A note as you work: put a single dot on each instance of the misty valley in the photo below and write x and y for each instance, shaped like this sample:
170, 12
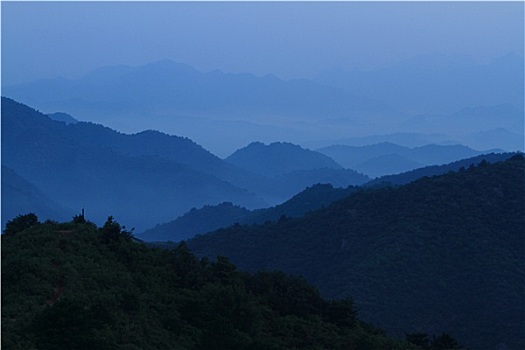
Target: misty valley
161, 207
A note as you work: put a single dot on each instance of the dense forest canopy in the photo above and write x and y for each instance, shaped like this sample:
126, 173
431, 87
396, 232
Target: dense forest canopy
75, 286
433, 253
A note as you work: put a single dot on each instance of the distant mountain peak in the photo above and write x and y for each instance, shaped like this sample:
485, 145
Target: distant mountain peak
170, 64
279, 158
62, 117
256, 144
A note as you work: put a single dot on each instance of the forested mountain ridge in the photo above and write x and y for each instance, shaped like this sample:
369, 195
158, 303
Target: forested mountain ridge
75, 286
433, 170
434, 253
89, 166
211, 218
86, 165
202, 220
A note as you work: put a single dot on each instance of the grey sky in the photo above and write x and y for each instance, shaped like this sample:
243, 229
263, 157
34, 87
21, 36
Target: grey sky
288, 39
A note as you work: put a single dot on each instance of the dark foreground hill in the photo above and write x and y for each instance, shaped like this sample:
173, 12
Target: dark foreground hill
75, 286
439, 253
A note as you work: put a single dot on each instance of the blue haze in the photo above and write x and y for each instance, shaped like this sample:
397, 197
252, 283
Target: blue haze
373, 68
287, 39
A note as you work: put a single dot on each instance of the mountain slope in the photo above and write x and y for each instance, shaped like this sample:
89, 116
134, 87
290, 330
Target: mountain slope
291, 168
80, 166
211, 218
409, 176
182, 150
279, 158
294, 182
439, 253
196, 221
21, 197
181, 100
388, 158
387, 164
62, 117
167, 85
72, 285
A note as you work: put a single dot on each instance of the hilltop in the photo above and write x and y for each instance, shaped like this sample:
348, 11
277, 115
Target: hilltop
279, 158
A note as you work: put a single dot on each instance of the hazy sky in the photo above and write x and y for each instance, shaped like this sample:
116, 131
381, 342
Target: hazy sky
288, 39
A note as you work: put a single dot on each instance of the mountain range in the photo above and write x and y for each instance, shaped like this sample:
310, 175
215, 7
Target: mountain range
172, 174
85, 165
436, 83
427, 95
442, 252
189, 102
213, 217
210, 218
80, 166
169, 85
388, 158
415, 212
434, 170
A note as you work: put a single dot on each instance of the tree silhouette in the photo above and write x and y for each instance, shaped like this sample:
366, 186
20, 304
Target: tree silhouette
21, 223
113, 232
420, 339
445, 342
